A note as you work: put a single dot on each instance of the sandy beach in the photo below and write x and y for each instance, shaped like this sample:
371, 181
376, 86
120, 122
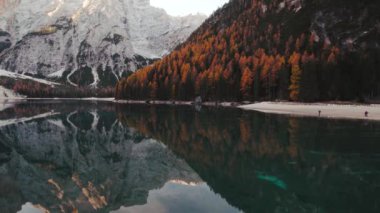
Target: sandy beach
344, 111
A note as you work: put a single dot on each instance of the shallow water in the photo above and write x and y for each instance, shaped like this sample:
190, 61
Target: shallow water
105, 157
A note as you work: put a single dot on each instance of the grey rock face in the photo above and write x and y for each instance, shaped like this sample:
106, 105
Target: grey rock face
5, 40
58, 39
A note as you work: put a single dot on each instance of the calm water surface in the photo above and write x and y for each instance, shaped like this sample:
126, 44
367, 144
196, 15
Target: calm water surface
102, 157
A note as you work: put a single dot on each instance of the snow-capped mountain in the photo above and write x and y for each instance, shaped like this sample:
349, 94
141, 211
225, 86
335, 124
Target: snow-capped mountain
87, 42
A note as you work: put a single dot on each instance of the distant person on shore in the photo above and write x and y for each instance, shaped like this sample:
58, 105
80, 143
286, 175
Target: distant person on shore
319, 112
366, 114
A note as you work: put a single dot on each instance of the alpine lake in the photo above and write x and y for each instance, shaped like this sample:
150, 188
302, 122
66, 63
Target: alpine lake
93, 156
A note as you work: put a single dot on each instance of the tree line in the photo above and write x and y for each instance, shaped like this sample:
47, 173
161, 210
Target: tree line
33, 89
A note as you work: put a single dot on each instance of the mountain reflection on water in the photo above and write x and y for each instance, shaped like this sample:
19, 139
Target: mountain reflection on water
104, 157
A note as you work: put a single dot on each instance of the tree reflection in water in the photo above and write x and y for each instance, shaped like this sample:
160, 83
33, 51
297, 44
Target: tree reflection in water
102, 156
270, 163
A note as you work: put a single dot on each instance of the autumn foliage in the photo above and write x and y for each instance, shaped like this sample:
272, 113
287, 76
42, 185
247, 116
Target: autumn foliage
252, 50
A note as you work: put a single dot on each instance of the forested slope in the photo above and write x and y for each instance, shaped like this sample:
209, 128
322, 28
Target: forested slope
301, 50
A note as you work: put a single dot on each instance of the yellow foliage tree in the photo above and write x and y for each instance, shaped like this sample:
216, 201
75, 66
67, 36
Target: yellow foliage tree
295, 78
295, 82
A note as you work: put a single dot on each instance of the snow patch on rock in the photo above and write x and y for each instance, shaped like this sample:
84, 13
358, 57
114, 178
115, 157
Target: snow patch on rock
25, 77
9, 94
57, 74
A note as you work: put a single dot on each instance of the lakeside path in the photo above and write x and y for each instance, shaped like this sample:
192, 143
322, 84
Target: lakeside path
327, 110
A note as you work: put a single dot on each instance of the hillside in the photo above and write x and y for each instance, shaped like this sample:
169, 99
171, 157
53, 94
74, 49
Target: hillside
302, 50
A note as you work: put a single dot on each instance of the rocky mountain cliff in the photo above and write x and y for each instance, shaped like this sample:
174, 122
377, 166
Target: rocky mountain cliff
87, 42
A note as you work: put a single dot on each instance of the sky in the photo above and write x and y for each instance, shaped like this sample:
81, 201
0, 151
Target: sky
186, 7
